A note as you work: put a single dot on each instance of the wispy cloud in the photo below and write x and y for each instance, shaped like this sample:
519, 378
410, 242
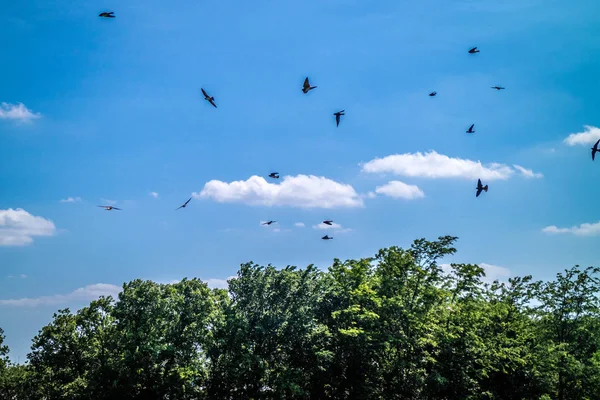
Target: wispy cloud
527, 173
400, 190
492, 272
589, 135
17, 112
302, 191
154, 194
299, 224
108, 202
22, 276
18, 227
581, 230
334, 226
437, 166
84, 294
71, 200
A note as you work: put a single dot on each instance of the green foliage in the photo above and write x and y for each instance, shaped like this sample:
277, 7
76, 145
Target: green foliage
395, 326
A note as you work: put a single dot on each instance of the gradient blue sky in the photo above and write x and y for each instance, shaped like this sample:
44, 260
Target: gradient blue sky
112, 110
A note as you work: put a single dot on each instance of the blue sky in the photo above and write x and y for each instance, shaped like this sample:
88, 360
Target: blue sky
104, 111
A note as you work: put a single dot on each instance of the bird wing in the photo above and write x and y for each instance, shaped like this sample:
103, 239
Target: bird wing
188, 201
115, 208
593, 154
204, 92
306, 83
211, 101
478, 192
479, 183
178, 208
596, 144
337, 119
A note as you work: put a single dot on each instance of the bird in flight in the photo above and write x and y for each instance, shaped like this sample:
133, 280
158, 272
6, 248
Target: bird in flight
432, 94
328, 222
268, 222
274, 175
595, 149
307, 86
338, 116
107, 14
498, 87
109, 208
326, 237
474, 50
471, 129
211, 100
184, 205
480, 187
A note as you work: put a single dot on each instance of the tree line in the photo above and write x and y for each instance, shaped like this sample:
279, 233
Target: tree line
394, 326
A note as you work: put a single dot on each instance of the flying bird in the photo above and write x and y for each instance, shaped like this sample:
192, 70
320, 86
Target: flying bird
474, 50
480, 187
110, 14
268, 222
307, 86
498, 87
432, 94
109, 208
184, 205
211, 100
471, 129
328, 222
274, 175
326, 237
338, 116
595, 149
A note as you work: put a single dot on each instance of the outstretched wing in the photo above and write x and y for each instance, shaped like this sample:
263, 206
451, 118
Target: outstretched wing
306, 83
204, 92
186, 203
211, 101
115, 208
478, 191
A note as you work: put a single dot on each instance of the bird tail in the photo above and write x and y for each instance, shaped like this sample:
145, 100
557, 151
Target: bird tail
485, 188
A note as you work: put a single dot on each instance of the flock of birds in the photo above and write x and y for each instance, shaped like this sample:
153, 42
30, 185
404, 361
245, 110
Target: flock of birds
307, 87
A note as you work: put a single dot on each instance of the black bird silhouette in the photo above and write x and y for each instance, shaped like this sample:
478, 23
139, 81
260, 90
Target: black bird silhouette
326, 237
328, 222
306, 87
337, 117
432, 93
274, 175
595, 149
109, 208
471, 129
211, 100
498, 87
184, 205
110, 14
268, 222
480, 187
474, 50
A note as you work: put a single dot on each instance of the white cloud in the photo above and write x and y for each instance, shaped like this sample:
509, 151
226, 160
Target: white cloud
84, 294
434, 165
492, 272
18, 227
334, 226
154, 194
17, 112
527, 173
299, 224
581, 230
71, 200
303, 191
400, 190
589, 135
23, 276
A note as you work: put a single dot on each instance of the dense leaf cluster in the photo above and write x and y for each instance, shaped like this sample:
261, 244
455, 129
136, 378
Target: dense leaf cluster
395, 326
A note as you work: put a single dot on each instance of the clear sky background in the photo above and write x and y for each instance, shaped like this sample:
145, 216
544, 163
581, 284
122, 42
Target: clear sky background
109, 111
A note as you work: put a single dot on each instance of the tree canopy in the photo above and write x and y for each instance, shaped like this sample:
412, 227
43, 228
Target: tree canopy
394, 326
